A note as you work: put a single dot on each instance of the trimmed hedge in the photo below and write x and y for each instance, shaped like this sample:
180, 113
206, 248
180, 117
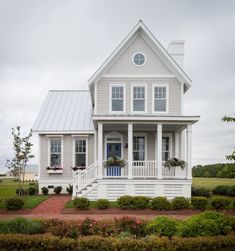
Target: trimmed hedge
102, 204
201, 191
81, 203
14, 203
220, 203
199, 202
160, 203
224, 190
133, 202
51, 243
179, 203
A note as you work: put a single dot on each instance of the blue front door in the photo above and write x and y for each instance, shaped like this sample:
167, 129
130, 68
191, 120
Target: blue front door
114, 149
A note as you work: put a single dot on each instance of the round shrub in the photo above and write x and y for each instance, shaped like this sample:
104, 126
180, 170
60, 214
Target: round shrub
14, 203
32, 190
125, 202
81, 203
224, 190
201, 191
21, 191
199, 202
196, 226
57, 190
140, 202
220, 203
102, 204
162, 226
160, 203
45, 190
179, 203
69, 189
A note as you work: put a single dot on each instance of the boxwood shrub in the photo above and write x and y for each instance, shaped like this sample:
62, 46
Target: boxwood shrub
179, 203
199, 202
201, 191
81, 203
162, 226
140, 202
14, 203
102, 204
224, 190
45, 190
220, 203
57, 190
125, 202
160, 203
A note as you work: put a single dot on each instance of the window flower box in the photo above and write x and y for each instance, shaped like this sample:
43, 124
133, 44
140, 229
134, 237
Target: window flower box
114, 165
54, 169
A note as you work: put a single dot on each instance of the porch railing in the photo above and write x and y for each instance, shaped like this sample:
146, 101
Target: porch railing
144, 169
174, 172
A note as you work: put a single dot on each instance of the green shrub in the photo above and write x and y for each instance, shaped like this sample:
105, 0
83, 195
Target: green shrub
21, 226
57, 190
14, 203
201, 191
199, 202
32, 184
32, 190
45, 190
160, 203
81, 203
224, 190
21, 191
220, 203
162, 226
125, 202
140, 202
179, 203
69, 189
102, 204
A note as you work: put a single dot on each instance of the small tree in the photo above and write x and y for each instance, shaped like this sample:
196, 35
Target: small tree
229, 119
22, 148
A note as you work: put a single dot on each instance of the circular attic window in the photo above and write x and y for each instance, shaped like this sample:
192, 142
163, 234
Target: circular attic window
139, 59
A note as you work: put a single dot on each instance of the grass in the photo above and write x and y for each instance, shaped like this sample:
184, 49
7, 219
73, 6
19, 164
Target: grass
8, 189
212, 182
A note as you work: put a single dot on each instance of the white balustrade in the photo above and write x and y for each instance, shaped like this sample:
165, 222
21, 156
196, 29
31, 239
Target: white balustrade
174, 172
144, 169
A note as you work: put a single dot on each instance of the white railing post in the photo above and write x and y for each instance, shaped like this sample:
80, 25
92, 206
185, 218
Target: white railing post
159, 151
100, 150
74, 185
177, 145
189, 151
130, 150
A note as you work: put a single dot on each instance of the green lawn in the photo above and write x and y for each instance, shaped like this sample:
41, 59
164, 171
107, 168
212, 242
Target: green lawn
8, 189
212, 182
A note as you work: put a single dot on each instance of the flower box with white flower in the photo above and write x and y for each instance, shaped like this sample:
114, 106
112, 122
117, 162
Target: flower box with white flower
54, 169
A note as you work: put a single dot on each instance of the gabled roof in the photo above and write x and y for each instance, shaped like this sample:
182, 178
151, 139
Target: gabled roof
65, 111
156, 46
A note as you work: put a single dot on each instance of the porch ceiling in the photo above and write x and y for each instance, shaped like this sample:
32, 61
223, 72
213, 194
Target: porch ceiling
144, 127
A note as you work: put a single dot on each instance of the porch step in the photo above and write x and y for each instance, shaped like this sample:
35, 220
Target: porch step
88, 189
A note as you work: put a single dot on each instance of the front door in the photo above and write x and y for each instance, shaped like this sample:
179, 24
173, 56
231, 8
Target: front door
114, 149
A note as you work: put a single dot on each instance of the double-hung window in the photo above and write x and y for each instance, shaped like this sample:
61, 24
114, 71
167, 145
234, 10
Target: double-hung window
117, 98
166, 148
160, 98
55, 152
138, 148
80, 152
139, 97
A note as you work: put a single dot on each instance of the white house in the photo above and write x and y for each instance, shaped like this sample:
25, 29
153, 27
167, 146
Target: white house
133, 110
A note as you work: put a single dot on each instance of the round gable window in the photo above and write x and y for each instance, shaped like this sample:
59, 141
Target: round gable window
139, 59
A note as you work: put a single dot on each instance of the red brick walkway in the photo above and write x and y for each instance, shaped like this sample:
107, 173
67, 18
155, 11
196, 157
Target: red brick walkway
53, 205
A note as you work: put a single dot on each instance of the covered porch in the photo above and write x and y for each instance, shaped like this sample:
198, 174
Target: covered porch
145, 146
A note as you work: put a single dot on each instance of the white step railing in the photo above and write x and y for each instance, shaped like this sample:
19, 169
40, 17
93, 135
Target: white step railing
144, 168
81, 179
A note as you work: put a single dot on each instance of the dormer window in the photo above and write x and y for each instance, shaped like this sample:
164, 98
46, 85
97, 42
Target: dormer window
117, 98
139, 59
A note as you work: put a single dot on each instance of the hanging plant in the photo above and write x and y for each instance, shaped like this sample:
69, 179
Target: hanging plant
174, 162
115, 161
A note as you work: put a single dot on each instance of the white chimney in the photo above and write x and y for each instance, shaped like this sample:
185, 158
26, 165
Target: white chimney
176, 50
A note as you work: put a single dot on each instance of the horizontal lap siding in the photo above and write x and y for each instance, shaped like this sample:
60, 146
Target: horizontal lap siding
103, 95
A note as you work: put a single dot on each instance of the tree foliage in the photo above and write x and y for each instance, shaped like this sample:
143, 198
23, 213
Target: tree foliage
22, 148
220, 170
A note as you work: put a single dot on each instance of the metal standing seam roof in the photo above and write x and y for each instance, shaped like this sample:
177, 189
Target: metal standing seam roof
67, 110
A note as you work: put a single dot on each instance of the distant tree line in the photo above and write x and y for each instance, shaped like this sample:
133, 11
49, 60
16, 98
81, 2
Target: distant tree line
220, 170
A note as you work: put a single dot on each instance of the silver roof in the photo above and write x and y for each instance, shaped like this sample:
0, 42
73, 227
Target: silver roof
65, 111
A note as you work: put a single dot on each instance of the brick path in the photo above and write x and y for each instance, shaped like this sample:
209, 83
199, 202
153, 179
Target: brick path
53, 205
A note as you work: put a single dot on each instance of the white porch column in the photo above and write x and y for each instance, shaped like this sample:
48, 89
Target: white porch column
100, 150
189, 151
159, 151
177, 145
130, 149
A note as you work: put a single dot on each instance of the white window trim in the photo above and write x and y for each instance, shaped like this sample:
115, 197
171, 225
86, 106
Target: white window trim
139, 52
145, 98
170, 143
49, 137
74, 144
167, 98
138, 134
113, 134
110, 98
